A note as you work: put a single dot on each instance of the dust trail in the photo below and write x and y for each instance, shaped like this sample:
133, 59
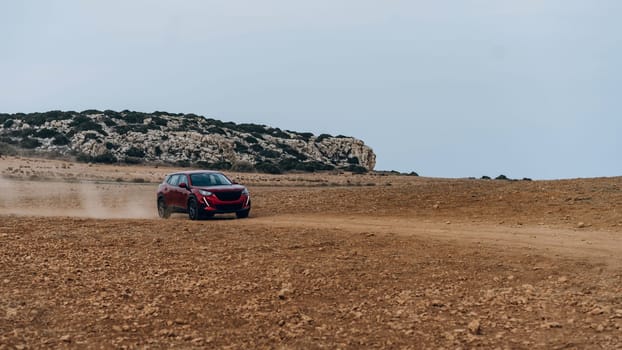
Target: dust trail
8, 194
90, 200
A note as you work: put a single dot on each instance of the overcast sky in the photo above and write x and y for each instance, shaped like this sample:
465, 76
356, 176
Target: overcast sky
525, 88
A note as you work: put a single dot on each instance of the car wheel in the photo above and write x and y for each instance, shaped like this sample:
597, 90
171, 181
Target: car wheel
163, 211
193, 209
242, 214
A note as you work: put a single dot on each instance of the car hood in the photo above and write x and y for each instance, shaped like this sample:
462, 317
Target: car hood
221, 188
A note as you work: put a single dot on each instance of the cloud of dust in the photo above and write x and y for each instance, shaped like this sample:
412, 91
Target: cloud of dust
113, 202
88, 200
7, 193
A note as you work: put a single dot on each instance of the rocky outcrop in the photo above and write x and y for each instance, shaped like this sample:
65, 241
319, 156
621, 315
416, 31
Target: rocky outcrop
184, 139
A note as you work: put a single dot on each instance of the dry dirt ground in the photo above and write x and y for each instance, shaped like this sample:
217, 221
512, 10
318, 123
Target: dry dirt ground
324, 261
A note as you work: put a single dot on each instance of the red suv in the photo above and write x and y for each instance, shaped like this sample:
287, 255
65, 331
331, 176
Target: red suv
202, 194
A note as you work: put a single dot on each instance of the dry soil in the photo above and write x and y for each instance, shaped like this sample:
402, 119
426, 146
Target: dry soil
324, 261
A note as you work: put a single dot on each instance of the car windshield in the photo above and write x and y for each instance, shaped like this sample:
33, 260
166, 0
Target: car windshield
209, 179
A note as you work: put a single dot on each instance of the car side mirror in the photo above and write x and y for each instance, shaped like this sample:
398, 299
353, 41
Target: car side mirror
234, 182
183, 185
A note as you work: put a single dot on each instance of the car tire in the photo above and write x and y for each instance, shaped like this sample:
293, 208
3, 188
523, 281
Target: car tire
194, 212
242, 214
163, 211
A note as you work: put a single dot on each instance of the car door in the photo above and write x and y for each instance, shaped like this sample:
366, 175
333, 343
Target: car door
171, 191
182, 193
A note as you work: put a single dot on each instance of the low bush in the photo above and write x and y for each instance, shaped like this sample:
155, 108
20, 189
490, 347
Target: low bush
353, 160
7, 150
112, 114
322, 137
243, 166
250, 139
267, 153
83, 123
159, 121
91, 111
240, 147
355, 169
60, 140
29, 143
135, 152
132, 117
132, 160
268, 168
109, 122
90, 136
106, 158
46, 133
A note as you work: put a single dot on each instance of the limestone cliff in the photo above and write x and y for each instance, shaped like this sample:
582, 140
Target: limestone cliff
184, 139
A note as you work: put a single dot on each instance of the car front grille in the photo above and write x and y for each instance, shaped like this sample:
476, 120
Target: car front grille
228, 207
228, 196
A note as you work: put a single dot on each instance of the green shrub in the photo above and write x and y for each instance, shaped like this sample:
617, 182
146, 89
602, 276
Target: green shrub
268, 168
183, 164
6, 139
29, 143
132, 117
112, 114
243, 166
41, 118
109, 122
132, 160
248, 128
22, 132
106, 158
84, 158
60, 140
83, 123
216, 130
268, 153
159, 121
8, 123
353, 160
250, 139
278, 133
305, 136
124, 129
355, 169
322, 137
91, 111
501, 177
289, 150
485, 177
90, 136
7, 150
46, 133
135, 152
240, 147
257, 147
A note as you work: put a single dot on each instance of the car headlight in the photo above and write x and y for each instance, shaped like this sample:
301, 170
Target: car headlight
245, 192
205, 193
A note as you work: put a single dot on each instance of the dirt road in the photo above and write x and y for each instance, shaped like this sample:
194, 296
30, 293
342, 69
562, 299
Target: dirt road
419, 263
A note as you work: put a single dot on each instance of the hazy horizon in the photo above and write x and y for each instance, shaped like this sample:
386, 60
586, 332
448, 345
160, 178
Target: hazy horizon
446, 89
